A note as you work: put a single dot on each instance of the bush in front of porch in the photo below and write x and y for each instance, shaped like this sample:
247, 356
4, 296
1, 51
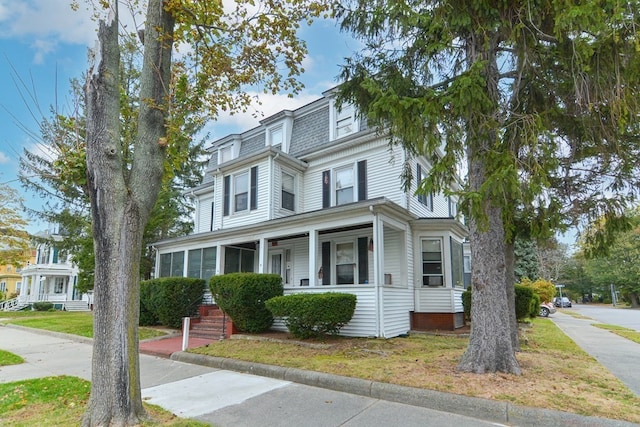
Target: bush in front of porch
167, 300
242, 297
312, 315
524, 301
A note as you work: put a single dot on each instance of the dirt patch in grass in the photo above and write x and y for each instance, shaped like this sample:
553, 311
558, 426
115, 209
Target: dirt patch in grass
556, 373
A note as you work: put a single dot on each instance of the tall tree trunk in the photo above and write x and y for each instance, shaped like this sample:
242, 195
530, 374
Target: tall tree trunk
510, 260
122, 197
490, 344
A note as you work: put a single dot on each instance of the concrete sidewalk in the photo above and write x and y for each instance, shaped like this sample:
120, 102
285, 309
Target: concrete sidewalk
619, 355
233, 393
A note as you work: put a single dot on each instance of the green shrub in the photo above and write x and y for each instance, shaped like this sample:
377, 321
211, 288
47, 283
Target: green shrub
466, 303
42, 306
534, 310
242, 297
524, 295
148, 309
307, 315
168, 299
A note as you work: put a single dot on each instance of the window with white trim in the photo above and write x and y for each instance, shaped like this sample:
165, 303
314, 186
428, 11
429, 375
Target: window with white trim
345, 263
18, 286
425, 199
172, 264
453, 207
3, 286
241, 192
288, 192
344, 121
225, 154
432, 272
59, 285
276, 136
344, 185
201, 263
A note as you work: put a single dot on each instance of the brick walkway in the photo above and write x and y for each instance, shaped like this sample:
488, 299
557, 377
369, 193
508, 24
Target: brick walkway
166, 346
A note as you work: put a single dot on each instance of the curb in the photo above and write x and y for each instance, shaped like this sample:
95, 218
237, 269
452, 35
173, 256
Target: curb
475, 407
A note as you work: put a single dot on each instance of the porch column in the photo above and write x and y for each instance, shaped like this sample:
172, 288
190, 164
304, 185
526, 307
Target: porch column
378, 270
34, 295
262, 256
219, 260
313, 250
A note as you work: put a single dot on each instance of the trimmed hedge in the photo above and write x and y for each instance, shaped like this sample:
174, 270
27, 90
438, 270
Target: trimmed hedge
308, 315
524, 297
168, 299
242, 296
534, 310
42, 306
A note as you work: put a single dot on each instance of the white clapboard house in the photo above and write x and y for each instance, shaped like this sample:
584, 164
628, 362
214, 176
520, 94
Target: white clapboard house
316, 196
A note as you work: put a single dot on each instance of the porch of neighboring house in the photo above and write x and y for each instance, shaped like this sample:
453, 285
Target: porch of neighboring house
54, 284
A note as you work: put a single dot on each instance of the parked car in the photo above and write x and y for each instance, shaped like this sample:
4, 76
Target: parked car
546, 308
562, 302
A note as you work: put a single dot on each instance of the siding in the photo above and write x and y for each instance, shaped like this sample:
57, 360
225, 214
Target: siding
438, 300
440, 202
398, 302
263, 191
383, 172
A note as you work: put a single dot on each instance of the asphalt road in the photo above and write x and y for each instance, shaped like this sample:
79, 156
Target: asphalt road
629, 318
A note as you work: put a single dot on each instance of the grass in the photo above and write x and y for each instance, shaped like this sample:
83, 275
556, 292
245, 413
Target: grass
7, 358
61, 401
627, 333
76, 323
553, 367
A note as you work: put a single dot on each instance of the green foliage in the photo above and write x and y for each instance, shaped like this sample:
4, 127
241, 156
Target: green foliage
534, 308
466, 303
14, 240
42, 306
242, 296
524, 297
148, 303
310, 315
544, 289
526, 264
169, 299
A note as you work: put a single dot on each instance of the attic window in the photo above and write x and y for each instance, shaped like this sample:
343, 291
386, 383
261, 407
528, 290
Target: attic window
276, 136
225, 154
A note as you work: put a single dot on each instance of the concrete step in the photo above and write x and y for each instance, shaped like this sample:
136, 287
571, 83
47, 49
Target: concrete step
76, 306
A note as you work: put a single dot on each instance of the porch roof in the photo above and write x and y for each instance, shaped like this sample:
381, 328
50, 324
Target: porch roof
281, 225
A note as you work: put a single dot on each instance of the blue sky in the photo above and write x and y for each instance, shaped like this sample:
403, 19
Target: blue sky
43, 44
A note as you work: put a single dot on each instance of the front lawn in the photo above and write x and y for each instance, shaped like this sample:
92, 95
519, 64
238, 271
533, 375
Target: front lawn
76, 323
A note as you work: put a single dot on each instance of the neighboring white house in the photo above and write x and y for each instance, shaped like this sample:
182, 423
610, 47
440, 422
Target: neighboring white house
315, 196
53, 277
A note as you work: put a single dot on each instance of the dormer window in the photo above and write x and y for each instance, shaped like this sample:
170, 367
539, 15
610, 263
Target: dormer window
343, 120
276, 136
225, 154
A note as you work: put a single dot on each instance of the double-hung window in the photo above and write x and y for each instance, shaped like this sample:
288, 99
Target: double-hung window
288, 192
345, 263
241, 192
425, 199
344, 120
344, 185
276, 136
432, 272
225, 154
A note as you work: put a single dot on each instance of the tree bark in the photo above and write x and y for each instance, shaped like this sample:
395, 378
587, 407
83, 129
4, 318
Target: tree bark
510, 260
490, 343
122, 197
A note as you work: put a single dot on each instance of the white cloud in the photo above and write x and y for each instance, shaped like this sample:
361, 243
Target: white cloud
270, 104
4, 159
